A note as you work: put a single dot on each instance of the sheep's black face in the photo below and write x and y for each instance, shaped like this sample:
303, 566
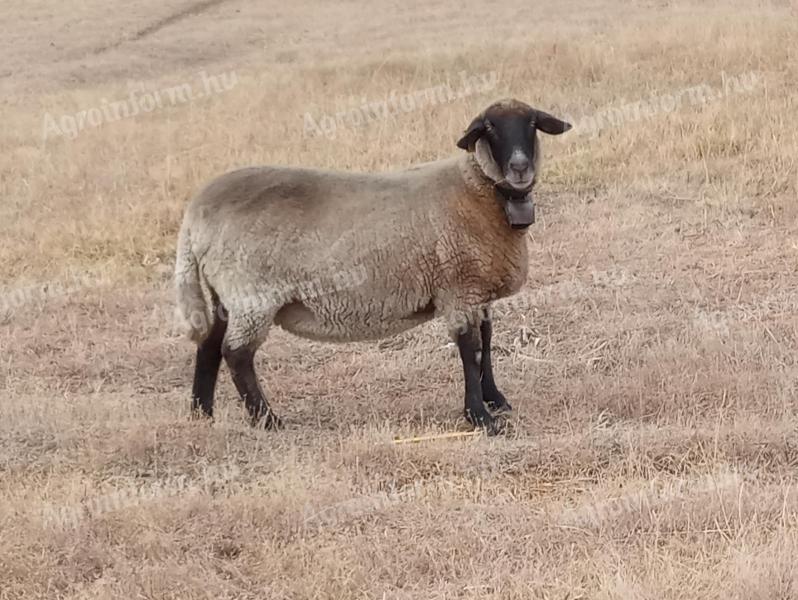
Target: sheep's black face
504, 138
512, 140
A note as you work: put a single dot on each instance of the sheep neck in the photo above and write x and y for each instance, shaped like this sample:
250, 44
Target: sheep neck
476, 179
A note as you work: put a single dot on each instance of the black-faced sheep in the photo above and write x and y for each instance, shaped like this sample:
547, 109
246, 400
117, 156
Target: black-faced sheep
346, 256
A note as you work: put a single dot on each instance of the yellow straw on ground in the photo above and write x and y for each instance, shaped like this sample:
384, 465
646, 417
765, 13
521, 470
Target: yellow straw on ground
440, 436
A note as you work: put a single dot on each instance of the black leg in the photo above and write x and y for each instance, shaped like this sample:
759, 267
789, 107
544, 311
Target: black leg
490, 393
468, 342
242, 366
206, 370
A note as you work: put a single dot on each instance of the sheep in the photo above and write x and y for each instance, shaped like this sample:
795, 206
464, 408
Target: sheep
342, 257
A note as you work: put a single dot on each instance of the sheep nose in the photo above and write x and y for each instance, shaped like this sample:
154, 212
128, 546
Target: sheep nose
519, 164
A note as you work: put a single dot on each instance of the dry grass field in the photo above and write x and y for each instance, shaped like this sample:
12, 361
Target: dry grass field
651, 359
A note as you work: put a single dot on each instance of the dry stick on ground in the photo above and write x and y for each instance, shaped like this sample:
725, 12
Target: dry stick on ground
440, 436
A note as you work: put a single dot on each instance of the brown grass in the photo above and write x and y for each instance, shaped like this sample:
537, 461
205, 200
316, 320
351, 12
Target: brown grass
651, 359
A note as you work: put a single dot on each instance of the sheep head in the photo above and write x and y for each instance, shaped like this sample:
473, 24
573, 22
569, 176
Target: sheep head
504, 140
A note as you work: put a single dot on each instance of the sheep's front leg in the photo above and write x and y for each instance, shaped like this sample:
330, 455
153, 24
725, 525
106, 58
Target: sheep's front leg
469, 343
490, 393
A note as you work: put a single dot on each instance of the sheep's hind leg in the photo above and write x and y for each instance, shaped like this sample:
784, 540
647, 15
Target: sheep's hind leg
469, 342
241, 363
245, 333
206, 369
490, 393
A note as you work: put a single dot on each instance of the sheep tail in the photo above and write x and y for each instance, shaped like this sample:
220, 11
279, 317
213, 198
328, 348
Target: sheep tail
192, 308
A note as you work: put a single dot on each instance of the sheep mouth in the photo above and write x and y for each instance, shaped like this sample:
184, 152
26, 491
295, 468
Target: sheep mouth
523, 184
520, 213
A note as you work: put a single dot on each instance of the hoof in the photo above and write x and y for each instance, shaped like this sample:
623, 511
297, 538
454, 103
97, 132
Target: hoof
269, 421
498, 426
200, 415
491, 425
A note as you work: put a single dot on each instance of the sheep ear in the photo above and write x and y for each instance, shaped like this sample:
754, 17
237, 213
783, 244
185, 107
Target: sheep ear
549, 124
475, 131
